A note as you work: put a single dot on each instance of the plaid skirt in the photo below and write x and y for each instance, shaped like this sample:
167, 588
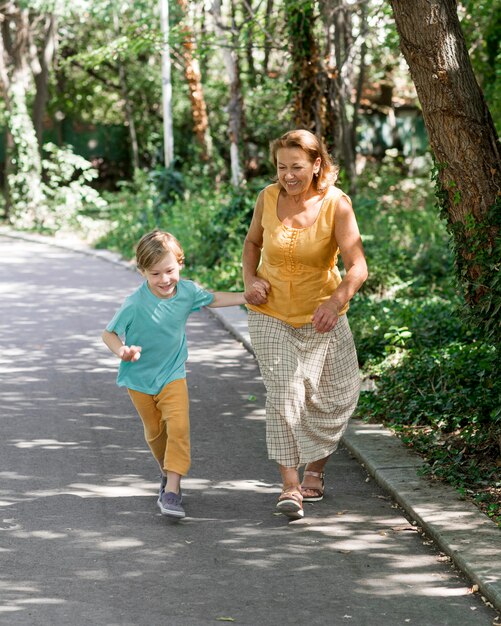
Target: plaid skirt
312, 385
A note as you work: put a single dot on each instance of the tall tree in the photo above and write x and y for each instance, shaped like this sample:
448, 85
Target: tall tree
194, 79
41, 65
235, 106
24, 197
128, 106
305, 83
465, 145
166, 85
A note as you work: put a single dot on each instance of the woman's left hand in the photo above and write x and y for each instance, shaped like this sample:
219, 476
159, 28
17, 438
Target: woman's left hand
325, 317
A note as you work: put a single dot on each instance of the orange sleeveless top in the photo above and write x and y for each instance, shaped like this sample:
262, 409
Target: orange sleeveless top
299, 263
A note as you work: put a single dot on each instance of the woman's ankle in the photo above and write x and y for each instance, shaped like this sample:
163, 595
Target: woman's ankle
317, 466
290, 477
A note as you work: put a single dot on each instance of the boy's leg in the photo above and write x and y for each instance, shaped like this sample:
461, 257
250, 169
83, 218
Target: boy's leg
154, 427
173, 404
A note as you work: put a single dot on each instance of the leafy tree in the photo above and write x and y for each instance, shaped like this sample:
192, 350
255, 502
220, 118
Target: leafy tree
466, 148
481, 24
19, 63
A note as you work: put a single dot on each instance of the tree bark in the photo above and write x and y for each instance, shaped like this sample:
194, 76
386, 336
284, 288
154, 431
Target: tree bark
193, 77
343, 76
305, 80
25, 199
464, 142
41, 74
460, 128
267, 41
129, 113
235, 107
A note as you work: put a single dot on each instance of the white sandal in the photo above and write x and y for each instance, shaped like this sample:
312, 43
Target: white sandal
318, 492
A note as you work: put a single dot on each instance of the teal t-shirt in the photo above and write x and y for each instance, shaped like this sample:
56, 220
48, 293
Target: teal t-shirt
158, 326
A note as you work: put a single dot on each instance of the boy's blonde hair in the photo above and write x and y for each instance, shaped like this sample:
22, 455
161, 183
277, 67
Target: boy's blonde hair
153, 246
314, 148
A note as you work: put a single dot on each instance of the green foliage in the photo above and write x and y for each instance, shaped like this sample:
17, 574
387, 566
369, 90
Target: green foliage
477, 262
67, 188
445, 403
26, 198
406, 246
481, 25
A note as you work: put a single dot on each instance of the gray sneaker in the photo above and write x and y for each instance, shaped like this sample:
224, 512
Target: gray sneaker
163, 483
170, 504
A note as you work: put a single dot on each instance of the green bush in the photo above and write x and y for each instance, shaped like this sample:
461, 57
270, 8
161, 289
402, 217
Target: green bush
405, 242
446, 404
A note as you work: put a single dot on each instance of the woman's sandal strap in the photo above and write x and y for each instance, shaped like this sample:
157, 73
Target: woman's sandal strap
320, 475
291, 493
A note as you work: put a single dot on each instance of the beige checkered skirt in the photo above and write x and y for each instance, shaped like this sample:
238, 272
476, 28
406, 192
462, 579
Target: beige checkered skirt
312, 383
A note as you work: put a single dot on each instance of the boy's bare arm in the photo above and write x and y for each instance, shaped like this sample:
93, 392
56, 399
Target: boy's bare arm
115, 344
227, 298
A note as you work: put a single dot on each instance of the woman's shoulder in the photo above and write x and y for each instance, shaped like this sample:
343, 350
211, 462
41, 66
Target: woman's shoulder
273, 189
268, 196
334, 194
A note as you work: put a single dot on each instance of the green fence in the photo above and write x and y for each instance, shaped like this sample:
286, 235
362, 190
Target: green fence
110, 143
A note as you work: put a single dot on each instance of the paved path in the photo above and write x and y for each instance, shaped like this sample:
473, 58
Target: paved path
81, 540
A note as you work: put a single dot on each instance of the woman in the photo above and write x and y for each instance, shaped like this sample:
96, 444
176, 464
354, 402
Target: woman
297, 312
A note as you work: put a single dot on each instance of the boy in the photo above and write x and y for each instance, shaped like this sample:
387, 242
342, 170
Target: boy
153, 355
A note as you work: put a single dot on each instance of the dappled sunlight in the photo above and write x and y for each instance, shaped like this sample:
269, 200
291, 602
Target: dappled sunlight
234, 485
415, 584
46, 444
86, 490
451, 520
125, 543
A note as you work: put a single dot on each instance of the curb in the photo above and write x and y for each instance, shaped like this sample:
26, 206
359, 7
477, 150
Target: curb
459, 529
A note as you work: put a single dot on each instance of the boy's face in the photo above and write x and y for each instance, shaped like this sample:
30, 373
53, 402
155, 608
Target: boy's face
163, 276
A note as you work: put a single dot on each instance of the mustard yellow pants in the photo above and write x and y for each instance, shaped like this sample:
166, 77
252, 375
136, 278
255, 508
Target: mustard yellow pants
166, 422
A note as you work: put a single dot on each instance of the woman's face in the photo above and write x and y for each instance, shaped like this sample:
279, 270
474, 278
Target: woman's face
295, 170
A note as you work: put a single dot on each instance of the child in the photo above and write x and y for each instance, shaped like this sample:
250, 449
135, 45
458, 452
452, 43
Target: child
153, 355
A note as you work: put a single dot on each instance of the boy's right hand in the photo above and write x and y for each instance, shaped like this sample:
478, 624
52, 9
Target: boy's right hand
130, 353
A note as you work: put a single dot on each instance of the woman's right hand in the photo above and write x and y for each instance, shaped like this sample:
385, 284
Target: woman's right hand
258, 291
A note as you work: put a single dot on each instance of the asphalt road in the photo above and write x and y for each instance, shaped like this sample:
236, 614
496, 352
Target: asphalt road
81, 539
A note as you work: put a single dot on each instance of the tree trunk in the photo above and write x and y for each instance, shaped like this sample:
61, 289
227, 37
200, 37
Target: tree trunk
235, 107
194, 79
166, 86
267, 41
360, 80
342, 38
249, 42
9, 142
41, 75
464, 142
26, 204
129, 113
305, 79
